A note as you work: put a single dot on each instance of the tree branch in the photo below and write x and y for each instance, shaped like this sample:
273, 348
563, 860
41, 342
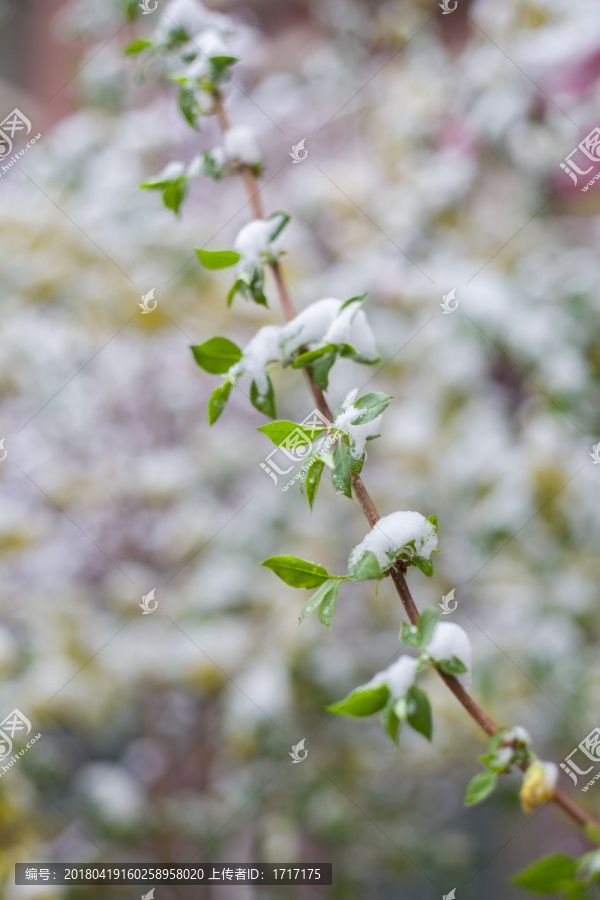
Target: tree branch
579, 815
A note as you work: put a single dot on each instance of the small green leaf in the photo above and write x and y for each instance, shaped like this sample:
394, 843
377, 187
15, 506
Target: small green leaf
314, 601
321, 369
366, 568
280, 431
264, 403
479, 788
218, 259
425, 625
362, 702
280, 220
311, 356
592, 834
218, 401
300, 573
237, 286
313, 478
423, 564
328, 604
548, 875
409, 635
341, 475
419, 712
174, 194
372, 405
434, 522
189, 106
217, 355
360, 299
452, 666
256, 286
391, 723
137, 46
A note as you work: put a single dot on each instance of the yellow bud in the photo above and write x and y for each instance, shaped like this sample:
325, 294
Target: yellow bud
538, 785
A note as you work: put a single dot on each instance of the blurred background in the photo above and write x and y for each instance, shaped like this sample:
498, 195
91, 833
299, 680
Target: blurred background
434, 144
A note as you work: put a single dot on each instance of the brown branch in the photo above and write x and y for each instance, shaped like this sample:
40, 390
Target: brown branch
397, 572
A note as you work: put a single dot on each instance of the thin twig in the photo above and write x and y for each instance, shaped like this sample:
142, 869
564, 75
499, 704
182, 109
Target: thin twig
369, 509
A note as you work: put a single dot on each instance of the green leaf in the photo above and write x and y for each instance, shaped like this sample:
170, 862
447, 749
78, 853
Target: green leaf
280, 220
423, 564
280, 431
425, 625
366, 568
137, 46
218, 259
313, 478
372, 405
314, 601
328, 604
218, 401
419, 712
341, 475
174, 194
217, 355
452, 666
300, 573
548, 875
189, 106
434, 522
360, 299
409, 635
311, 356
320, 371
592, 834
264, 403
479, 787
256, 286
362, 702
391, 723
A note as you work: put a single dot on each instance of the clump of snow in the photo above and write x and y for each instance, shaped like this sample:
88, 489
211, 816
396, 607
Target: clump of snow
358, 434
255, 240
262, 349
350, 326
517, 734
391, 533
209, 44
240, 144
448, 640
115, 794
278, 343
171, 171
399, 677
325, 322
190, 16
